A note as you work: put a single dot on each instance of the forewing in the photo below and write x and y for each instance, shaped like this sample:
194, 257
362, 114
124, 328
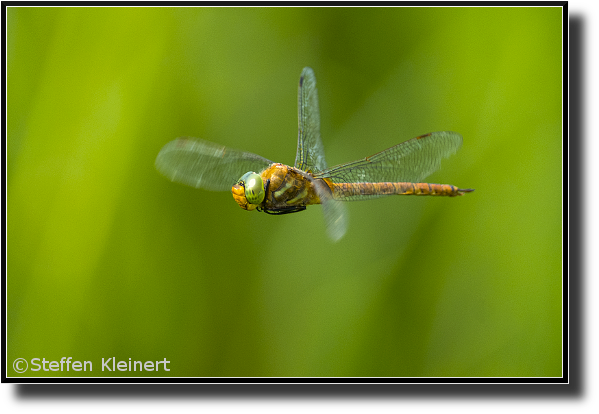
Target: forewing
203, 164
310, 152
410, 161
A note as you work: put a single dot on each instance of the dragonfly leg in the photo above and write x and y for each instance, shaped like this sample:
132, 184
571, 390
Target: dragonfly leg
283, 210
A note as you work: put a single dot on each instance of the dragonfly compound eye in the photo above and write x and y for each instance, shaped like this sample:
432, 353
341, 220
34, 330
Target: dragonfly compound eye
254, 187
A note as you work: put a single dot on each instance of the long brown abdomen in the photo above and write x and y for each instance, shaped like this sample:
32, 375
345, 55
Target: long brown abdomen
355, 191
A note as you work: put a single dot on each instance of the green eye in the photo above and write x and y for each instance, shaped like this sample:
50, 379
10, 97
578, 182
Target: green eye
254, 187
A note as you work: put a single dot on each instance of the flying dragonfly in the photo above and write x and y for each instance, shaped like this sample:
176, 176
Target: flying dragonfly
274, 188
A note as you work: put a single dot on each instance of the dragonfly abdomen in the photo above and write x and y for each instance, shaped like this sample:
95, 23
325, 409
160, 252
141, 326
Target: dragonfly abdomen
354, 191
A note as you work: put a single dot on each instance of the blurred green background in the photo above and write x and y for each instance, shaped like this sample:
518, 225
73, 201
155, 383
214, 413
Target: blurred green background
107, 258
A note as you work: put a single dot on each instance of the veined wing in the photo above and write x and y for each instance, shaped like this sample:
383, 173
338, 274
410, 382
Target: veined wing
410, 161
310, 152
203, 164
335, 218
333, 210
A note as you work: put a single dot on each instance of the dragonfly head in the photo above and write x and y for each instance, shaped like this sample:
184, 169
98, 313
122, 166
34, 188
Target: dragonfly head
249, 191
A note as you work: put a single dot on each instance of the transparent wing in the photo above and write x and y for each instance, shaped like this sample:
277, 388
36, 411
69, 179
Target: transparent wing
410, 161
335, 217
335, 214
203, 164
310, 152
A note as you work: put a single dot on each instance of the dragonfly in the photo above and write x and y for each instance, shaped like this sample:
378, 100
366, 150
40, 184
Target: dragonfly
274, 188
